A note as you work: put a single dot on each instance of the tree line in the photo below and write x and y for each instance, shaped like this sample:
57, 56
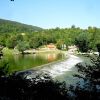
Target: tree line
13, 34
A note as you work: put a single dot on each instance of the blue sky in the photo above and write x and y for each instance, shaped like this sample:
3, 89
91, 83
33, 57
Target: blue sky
52, 13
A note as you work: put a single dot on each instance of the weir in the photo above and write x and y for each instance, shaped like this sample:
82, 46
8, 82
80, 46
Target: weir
59, 68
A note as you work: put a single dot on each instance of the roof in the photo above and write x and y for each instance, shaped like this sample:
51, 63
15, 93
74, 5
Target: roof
51, 46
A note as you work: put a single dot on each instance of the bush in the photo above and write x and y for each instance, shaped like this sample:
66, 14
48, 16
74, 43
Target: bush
18, 87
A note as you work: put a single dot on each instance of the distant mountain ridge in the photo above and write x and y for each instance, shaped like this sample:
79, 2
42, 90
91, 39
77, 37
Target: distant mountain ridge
7, 26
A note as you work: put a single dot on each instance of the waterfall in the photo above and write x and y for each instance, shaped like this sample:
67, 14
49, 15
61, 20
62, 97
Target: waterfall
61, 67
56, 69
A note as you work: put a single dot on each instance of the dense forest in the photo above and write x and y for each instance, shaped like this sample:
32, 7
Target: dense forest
7, 26
21, 36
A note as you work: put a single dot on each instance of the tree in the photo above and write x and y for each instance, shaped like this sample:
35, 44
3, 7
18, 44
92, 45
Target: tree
4, 67
89, 86
11, 42
34, 42
98, 47
3, 40
41, 87
22, 46
19, 37
73, 26
59, 44
82, 42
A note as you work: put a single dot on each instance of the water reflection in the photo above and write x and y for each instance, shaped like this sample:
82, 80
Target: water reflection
23, 62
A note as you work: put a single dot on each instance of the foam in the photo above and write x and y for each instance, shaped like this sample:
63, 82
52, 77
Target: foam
61, 67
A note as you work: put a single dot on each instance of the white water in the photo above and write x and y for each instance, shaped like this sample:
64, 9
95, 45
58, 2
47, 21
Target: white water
57, 69
61, 67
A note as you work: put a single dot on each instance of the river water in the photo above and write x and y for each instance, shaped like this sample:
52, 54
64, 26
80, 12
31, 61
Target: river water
28, 61
62, 67
52, 64
61, 71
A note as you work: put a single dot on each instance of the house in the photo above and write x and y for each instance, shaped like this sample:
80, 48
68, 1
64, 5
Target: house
51, 46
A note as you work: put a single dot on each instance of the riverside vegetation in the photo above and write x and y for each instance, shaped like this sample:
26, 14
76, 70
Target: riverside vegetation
22, 37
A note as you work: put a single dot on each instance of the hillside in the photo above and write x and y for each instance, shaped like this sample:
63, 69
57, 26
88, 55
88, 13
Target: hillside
7, 26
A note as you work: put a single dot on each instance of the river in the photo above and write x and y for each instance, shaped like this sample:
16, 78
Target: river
61, 71
24, 62
62, 67
59, 66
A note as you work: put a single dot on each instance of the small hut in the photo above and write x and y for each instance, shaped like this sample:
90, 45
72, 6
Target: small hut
51, 46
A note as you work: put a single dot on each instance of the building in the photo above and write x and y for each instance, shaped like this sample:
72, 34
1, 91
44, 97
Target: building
51, 46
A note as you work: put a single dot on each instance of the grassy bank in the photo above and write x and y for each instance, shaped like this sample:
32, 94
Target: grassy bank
7, 51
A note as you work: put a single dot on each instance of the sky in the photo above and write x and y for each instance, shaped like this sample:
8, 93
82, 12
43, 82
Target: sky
52, 13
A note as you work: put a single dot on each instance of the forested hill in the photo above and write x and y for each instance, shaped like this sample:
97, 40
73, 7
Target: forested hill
7, 26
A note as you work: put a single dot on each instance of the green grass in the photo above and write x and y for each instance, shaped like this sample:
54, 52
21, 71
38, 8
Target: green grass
7, 51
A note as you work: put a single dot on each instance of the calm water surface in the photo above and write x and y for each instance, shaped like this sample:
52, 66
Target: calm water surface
23, 62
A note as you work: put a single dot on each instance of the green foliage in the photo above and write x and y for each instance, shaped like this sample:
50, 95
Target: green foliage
4, 66
7, 26
18, 87
19, 37
7, 51
34, 43
59, 44
22, 46
82, 42
3, 40
12, 32
89, 88
98, 47
11, 42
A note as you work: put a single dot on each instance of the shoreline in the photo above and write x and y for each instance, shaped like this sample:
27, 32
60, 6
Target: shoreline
44, 65
30, 51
